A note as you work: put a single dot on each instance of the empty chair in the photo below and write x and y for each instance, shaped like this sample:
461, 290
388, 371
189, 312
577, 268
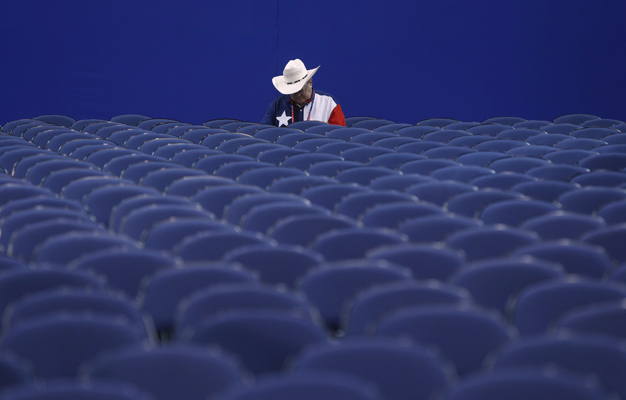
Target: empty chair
609, 238
394, 160
236, 211
63, 343
192, 372
272, 134
379, 361
549, 139
593, 132
435, 228
602, 123
56, 119
65, 248
398, 182
120, 137
504, 120
525, 384
151, 146
345, 134
444, 136
253, 150
292, 139
171, 150
499, 145
305, 386
447, 152
461, 173
461, 125
601, 356
237, 295
538, 307
13, 372
463, 334
437, 122
167, 235
330, 286
128, 205
355, 205
424, 261
137, 141
17, 191
278, 155
575, 119
212, 245
520, 134
612, 148
575, 257
215, 199
304, 229
472, 203
9, 159
425, 167
590, 200
481, 158
30, 203
189, 158
503, 180
363, 175
338, 147
189, 186
313, 144
515, 212
393, 215
9, 263
118, 165
579, 144
81, 148
137, 172
371, 123
604, 319
568, 157
489, 241
418, 147
305, 161
198, 136
330, 196
138, 222
613, 213
130, 119
39, 172
263, 217
393, 143
232, 145
279, 334
163, 178
469, 141
517, 164
58, 180
234, 170
162, 292
102, 200
536, 151
282, 264
439, 192
363, 314
601, 178
364, 154
264, 177
562, 225
369, 138
124, 269
212, 163
493, 283
332, 168
298, 184
544, 190
563, 173
618, 138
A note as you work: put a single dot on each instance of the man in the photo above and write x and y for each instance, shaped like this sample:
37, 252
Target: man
299, 102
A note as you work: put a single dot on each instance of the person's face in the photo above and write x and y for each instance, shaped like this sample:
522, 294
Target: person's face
304, 94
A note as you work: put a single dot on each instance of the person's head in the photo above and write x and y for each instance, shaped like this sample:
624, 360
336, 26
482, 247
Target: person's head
295, 81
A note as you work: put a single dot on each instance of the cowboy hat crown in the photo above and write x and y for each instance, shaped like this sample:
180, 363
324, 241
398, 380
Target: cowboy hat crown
294, 77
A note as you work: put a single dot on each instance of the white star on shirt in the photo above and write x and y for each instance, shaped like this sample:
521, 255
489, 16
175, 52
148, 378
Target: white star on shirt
283, 119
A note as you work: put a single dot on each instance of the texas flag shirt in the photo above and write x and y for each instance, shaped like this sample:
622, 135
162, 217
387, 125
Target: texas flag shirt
321, 107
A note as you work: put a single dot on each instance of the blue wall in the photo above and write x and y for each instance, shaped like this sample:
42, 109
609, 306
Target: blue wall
401, 60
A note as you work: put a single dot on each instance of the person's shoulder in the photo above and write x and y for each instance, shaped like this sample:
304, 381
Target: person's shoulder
326, 94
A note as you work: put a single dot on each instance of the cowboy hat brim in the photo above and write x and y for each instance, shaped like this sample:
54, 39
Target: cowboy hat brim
284, 88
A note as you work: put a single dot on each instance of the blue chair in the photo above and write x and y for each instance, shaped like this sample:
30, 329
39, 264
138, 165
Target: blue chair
306, 160
575, 119
425, 167
212, 163
594, 132
238, 295
494, 283
9, 263
264, 177
236, 211
379, 361
463, 126
313, 144
481, 158
447, 152
502, 181
197, 136
23, 166
499, 145
279, 334
298, 184
610, 161
332, 168
371, 124
130, 119
602, 123
58, 180
504, 120
464, 335
590, 200
102, 157
169, 151
438, 192
472, 203
138, 222
605, 319
9, 159
469, 141
418, 147
216, 123
520, 134
618, 138
152, 122
273, 134
393, 143
490, 241
56, 346
168, 234
169, 373
363, 314
355, 205
461, 173
233, 145
101, 201
584, 354
79, 149
436, 228
330, 196
215, 139
212, 245
437, 122
575, 257
120, 137
568, 157
580, 144
24, 241
531, 151
562, 225
234, 170
444, 135
363, 175
77, 190
161, 293
189, 186
215, 199
135, 142
394, 160
56, 119
364, 154
151, 146
562, 173
331, 286
349, 243
517, 164
525, 384
424, 261
119, 165
613, 213
304, 229
544, 190
39, 172
253, 150
337, 148
137, 172
609, 179
612, 148
538, 307
549, 139
189, 158
264, 217
126, 206
14, 372
399, 182
65, 248
292, 139
282, 264
515, 212
393, 215
369, 138
611, 239
278, 155
345, 134
11, 192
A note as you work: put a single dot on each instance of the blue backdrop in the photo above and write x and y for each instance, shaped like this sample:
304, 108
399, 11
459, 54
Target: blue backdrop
401, 60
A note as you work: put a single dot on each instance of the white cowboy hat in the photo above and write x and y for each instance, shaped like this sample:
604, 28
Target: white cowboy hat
294, 76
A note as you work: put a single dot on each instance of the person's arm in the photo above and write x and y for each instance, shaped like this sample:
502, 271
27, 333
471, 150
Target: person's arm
337, 117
